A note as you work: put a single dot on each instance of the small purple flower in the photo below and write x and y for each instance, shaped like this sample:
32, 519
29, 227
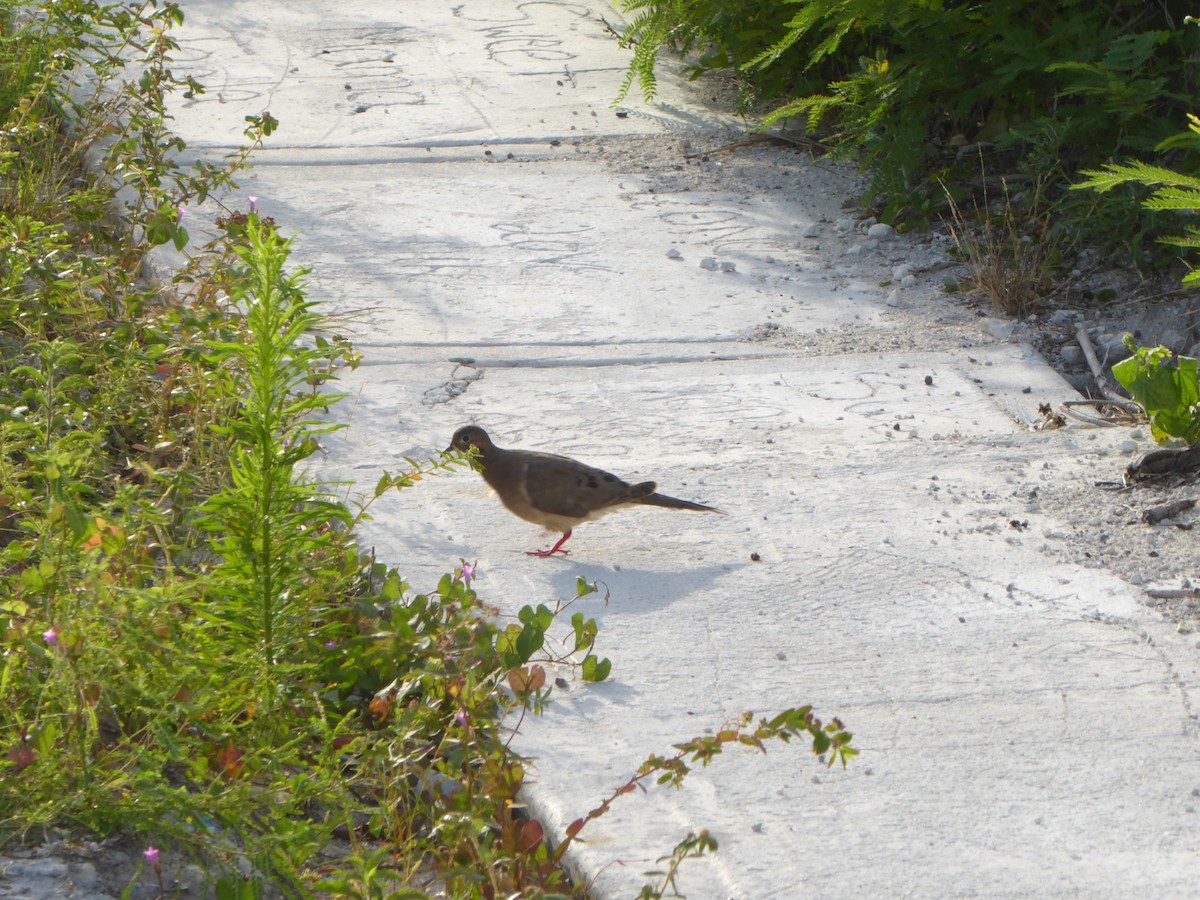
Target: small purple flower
151, 854
50, 636
461, 717
180, 212
253, 202
468, 572
331, 645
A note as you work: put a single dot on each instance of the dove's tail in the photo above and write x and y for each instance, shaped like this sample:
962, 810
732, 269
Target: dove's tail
653, 499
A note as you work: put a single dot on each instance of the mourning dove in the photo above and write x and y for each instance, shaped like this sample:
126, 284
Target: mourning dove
556, 492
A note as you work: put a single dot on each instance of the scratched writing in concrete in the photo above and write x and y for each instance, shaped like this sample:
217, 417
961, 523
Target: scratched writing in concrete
550, 247
514, 37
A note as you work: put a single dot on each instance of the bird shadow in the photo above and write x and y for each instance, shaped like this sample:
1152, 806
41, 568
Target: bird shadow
637, 591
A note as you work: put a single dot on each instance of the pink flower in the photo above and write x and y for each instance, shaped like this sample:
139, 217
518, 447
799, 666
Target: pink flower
253, 202
50, 636
151, 854
180, 212
468, 572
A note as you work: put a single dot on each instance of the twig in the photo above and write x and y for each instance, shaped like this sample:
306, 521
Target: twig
1129, 418
1173, 593
1102, 382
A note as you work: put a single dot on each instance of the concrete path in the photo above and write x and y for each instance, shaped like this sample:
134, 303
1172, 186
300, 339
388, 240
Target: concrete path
459, 183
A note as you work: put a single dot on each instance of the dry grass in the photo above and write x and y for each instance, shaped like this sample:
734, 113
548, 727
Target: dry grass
1006, 251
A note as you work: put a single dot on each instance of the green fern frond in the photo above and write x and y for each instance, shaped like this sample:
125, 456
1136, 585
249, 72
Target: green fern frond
647, 33
814, 109
1129, 54
1173, 198
776, 50
1136, 172
1191, 239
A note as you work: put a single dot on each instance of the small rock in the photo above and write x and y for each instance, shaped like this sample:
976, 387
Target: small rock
1064, 317
908, 280
901, 272
708, 263
728, 267
856, 250
1110, 344
1000, 329
1127, 447
812, 230
881, 231
844, 225
1072, 355
674, 254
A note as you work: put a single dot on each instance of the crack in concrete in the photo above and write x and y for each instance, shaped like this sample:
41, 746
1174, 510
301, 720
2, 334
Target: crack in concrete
455, 385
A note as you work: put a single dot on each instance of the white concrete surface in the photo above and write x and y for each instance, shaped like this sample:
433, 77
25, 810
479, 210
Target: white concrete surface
1026, 727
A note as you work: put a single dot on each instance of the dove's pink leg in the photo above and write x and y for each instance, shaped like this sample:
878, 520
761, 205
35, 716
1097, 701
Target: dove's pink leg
557, 548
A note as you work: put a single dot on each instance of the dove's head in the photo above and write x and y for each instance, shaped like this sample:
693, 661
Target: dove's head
471, 436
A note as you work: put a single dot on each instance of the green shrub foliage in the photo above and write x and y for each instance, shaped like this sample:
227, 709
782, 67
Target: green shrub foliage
909, 83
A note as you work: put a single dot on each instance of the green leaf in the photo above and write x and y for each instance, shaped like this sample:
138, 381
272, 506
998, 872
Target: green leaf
529, 642
1167, 389
44, 738
585, 631
392, 588
381, 486
596, 669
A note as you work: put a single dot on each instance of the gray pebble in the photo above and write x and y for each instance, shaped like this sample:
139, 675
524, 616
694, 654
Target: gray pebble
1072, 355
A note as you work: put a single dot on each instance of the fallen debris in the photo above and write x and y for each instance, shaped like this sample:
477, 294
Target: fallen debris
1163, 461
1111, 394
1156, 514
1173, 593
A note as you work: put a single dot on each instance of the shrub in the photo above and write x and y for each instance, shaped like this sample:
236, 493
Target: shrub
906, 83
